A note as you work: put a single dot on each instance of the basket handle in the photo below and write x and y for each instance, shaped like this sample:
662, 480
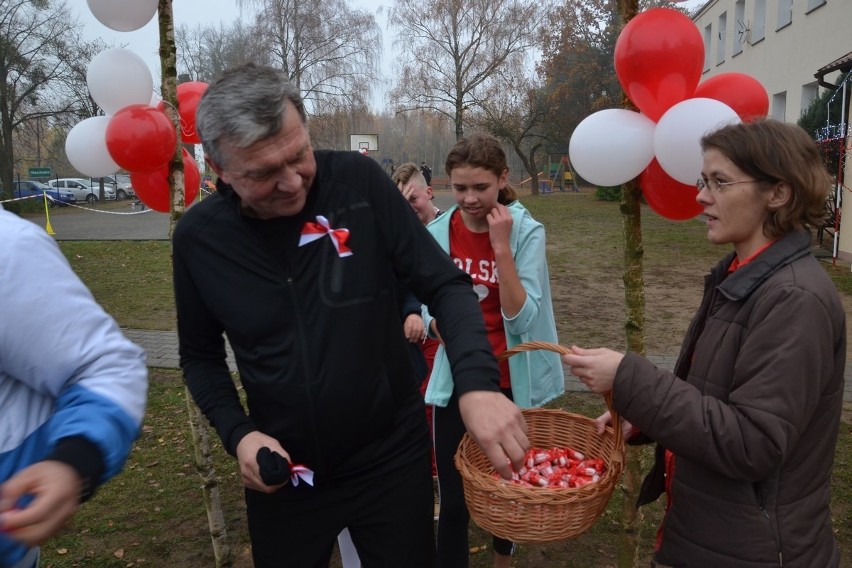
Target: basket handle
544, 345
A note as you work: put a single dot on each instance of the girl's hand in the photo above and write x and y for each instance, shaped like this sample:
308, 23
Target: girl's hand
499, 227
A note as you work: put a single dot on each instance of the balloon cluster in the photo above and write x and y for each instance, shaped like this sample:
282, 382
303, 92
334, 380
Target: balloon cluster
135, 134
659, 56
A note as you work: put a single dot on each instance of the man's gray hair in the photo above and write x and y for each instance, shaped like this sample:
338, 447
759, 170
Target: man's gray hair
242, 105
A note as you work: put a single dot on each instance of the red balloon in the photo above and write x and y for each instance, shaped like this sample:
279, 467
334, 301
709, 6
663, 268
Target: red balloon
741, 92
658, 59
666, 196
152, 188
188, 96
140, 138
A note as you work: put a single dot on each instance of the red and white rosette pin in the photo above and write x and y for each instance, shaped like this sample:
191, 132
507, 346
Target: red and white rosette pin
313, 231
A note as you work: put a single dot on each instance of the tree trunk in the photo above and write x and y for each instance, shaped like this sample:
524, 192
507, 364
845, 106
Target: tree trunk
533, 168
168, 67
634, 329
197, 423
209, 484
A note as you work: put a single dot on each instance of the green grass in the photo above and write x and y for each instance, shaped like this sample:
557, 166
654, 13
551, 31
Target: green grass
131, 279
153, 513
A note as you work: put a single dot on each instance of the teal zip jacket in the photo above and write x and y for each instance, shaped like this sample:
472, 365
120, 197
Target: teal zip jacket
537, 376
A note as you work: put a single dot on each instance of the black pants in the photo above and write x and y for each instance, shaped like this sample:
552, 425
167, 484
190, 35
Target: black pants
390, 519
453, 548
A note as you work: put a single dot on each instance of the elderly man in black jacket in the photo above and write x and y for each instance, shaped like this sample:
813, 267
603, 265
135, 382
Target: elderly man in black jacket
294, 259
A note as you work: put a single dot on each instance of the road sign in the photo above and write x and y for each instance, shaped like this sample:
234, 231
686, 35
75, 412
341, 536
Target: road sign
39, 172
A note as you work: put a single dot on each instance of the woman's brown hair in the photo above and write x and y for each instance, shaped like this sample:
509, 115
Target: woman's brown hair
481, 150
771, 152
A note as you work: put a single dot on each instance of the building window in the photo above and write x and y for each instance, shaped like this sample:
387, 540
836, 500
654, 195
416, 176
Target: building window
723, 38
758, 29
779, 106
740, 28
708, 36
785, 13
810, 92
813, 5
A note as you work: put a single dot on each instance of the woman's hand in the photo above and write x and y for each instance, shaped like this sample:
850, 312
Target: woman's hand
595, 367
605, 419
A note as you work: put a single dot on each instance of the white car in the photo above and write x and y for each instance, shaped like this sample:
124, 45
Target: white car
83, 189
120, 183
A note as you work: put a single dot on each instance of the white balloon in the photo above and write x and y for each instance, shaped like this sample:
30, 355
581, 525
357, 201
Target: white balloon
612, 146
123, 15
677, 138
118, 78
86, 148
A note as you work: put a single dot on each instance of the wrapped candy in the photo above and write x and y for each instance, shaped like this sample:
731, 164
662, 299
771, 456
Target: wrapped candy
557, 468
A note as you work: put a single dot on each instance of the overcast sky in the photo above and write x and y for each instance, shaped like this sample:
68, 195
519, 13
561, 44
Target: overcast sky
145, 41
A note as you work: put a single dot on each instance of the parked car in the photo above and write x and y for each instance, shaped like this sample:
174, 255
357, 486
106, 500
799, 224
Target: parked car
83, 189
29, 188
120, 183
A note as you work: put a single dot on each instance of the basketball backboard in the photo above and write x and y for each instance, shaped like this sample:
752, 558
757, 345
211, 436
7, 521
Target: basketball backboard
369, 142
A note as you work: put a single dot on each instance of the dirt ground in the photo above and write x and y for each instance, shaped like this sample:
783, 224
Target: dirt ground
590, 311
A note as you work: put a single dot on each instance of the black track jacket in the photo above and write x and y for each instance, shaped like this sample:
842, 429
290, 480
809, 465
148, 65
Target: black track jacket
317, 337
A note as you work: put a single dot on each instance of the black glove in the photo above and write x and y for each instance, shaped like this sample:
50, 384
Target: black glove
274, 469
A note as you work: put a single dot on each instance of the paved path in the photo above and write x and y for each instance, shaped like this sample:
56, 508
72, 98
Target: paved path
161, 347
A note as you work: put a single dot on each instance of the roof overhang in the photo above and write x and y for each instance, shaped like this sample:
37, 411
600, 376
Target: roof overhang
843, 64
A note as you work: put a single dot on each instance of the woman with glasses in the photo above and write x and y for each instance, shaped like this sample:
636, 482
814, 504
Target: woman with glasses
746, 424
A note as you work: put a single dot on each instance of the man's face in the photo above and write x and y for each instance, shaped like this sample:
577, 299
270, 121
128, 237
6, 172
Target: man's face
272, 176
419, 196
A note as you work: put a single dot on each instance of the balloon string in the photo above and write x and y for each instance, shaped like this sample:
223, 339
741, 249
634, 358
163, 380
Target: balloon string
165, 102
184, 127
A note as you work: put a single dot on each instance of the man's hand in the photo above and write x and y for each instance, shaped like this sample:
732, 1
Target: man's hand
55, 488
413, 328
497, 425
247, 457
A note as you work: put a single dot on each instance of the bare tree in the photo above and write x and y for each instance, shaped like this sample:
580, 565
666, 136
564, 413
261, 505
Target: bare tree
577, 61
516, 113
205, 51
451, 50
31, 36
328, 50
177, 193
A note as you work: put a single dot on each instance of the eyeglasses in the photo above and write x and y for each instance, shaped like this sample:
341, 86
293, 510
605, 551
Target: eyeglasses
716, 185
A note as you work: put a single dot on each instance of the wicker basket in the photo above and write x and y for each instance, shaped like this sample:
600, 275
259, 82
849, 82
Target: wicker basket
536, 515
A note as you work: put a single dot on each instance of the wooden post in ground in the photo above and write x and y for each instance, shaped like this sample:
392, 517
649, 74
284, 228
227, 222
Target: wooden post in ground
634, 328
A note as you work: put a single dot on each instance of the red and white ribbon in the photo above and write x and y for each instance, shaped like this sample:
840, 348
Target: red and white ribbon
300, 471
313, 231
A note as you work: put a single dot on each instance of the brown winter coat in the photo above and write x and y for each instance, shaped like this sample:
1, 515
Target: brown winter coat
753, 426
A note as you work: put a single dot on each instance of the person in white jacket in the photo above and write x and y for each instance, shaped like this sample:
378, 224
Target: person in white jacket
72, 392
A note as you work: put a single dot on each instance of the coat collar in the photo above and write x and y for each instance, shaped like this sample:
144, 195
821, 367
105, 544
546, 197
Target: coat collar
745, 280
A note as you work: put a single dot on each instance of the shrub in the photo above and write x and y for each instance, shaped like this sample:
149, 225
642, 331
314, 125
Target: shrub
608, 193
